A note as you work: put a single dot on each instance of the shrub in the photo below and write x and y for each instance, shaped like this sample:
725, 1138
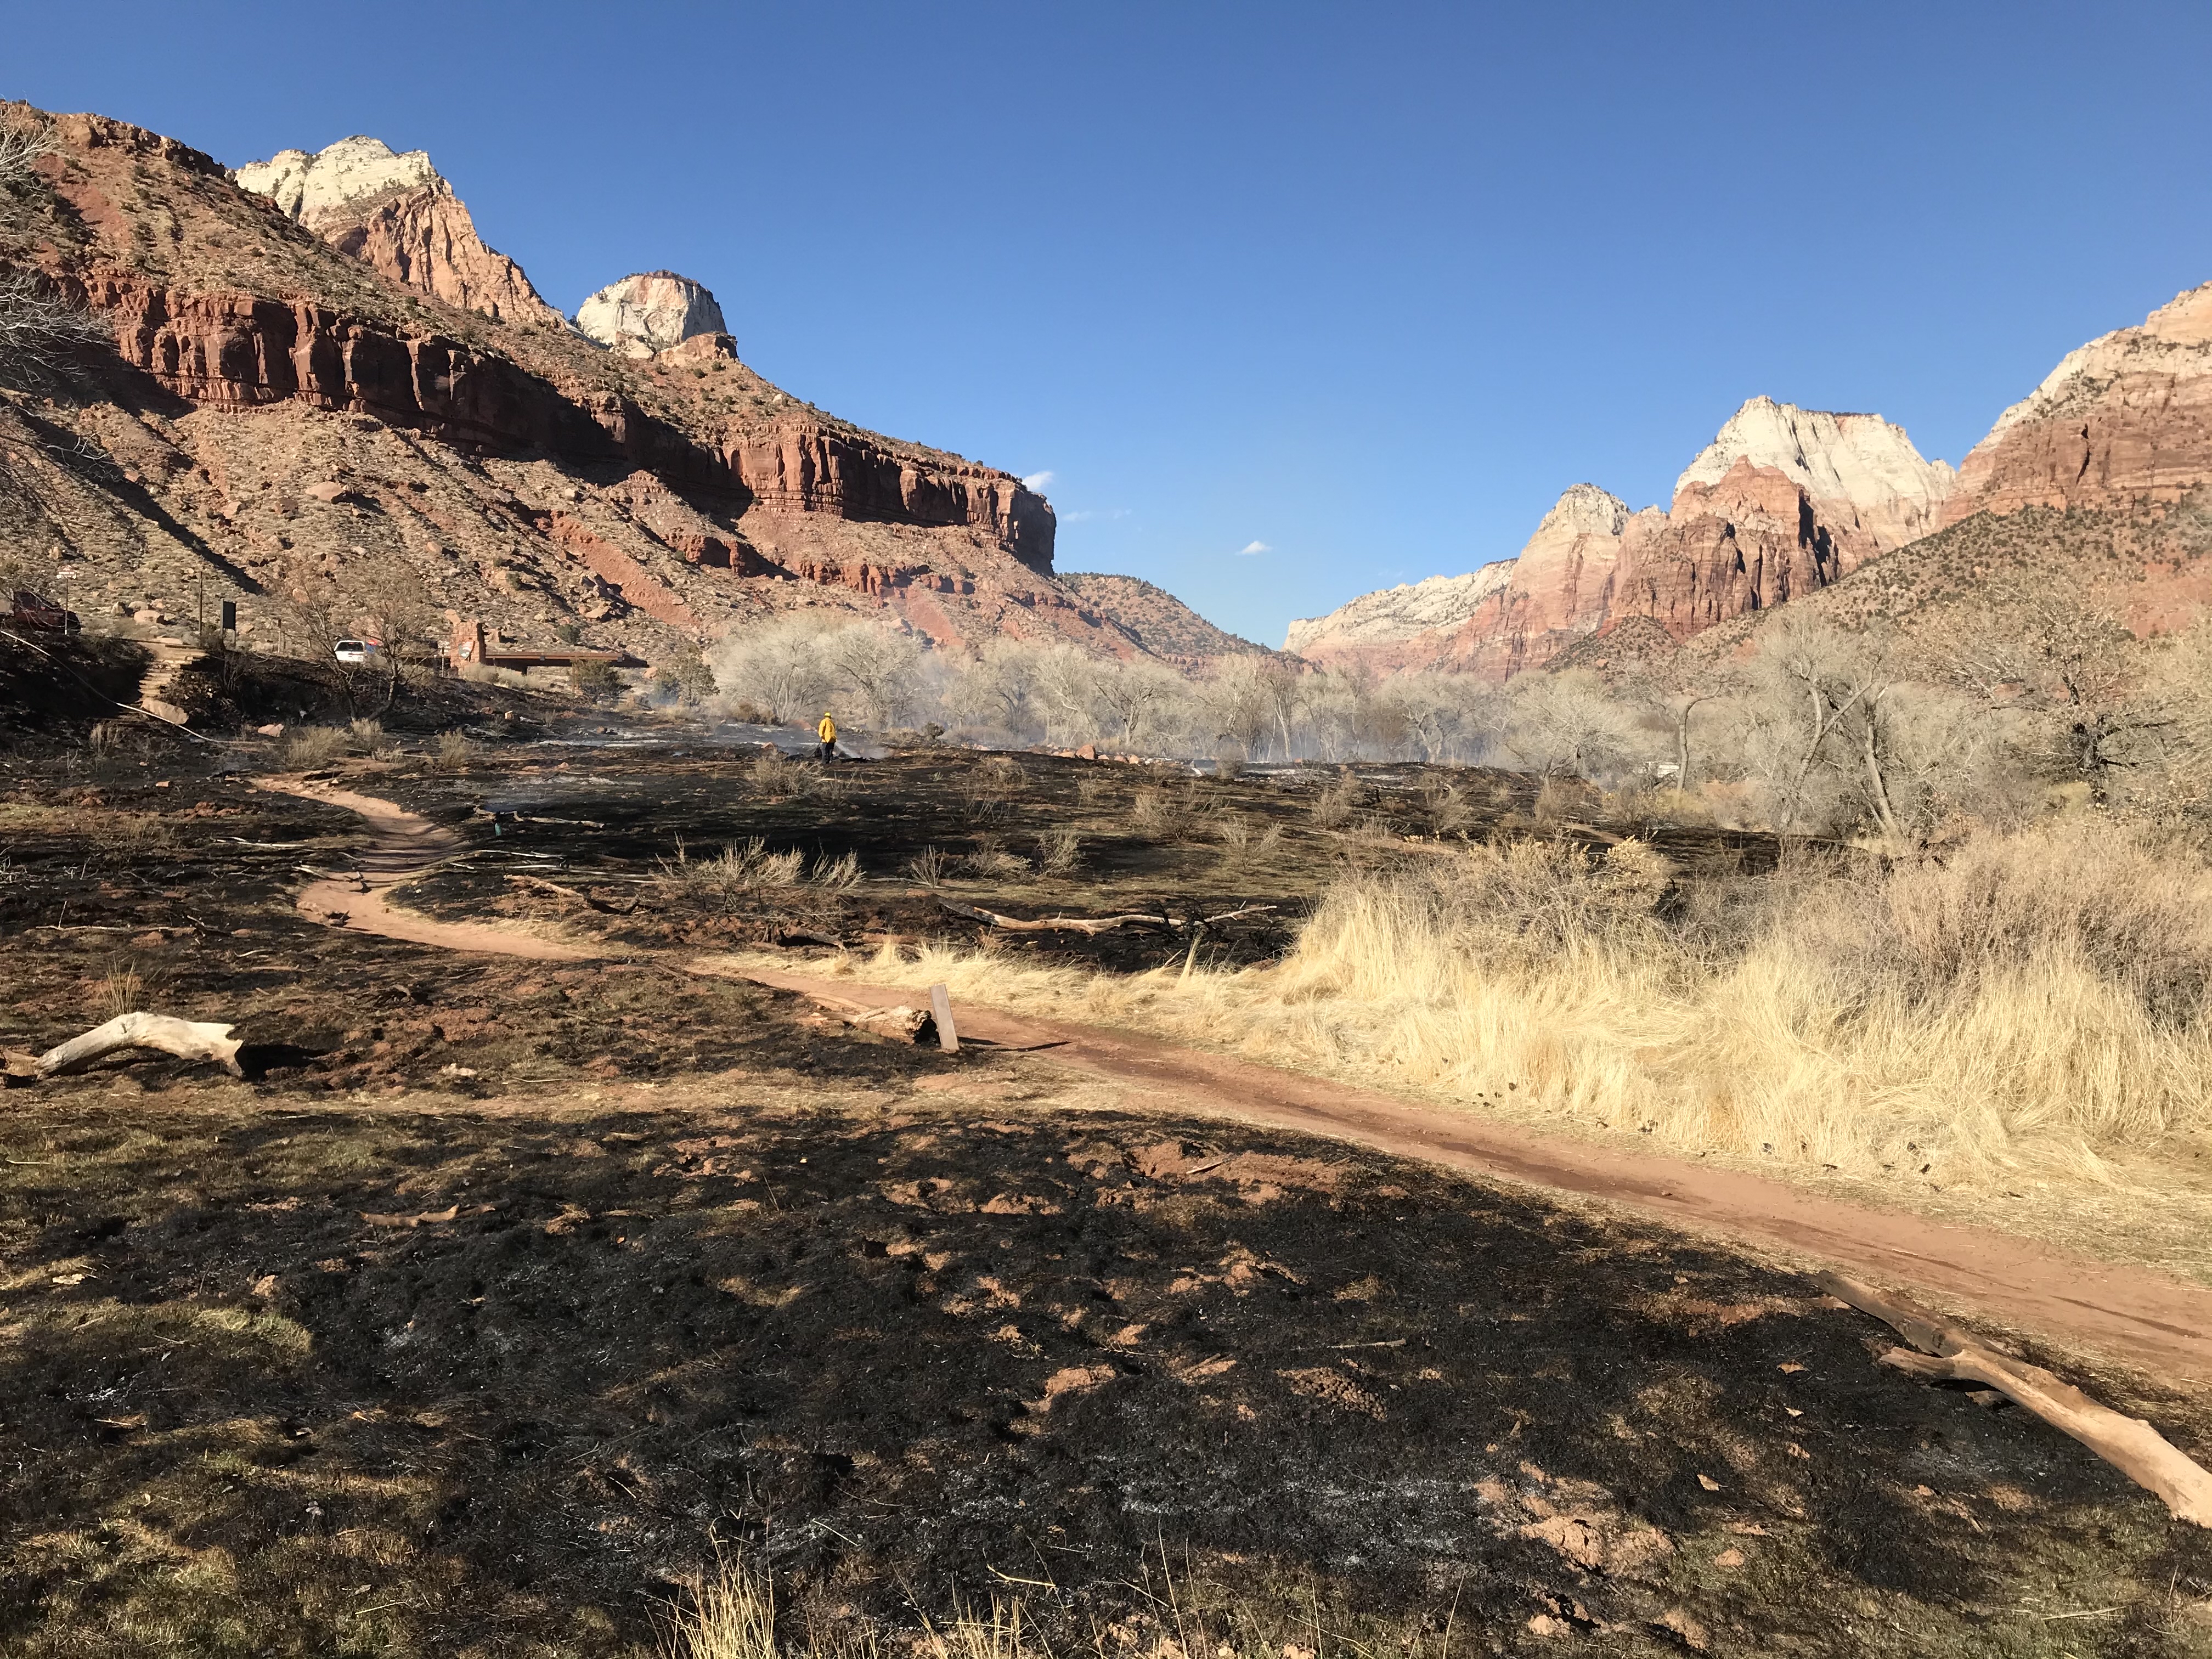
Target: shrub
1337, 803
1060, 851
594, 680
313, 746
455, 751
370, 738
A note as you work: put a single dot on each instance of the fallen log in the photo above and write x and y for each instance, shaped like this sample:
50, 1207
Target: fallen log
538, 884
186, 1039
1945, 1354
1092, 925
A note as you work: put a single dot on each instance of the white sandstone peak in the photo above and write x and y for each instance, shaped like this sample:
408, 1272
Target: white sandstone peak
649, 312
1584, 509
1862, 461
333, 180
1400, 612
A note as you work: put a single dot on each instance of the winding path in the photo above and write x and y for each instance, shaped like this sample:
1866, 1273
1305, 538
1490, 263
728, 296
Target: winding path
2132, 1313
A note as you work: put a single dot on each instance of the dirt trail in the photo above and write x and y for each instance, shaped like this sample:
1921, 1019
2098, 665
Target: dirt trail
2132, 1313
402, 845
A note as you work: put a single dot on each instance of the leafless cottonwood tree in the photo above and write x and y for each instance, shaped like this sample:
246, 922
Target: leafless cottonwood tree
2083, 682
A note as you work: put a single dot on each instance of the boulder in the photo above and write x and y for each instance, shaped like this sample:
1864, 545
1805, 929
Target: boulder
654, 311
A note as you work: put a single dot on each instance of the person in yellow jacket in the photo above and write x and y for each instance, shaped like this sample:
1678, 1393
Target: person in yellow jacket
828, 733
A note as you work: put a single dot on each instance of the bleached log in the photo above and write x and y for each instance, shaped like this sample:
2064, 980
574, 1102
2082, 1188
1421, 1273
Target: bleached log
1090, 924
1949, 1354
187, 1039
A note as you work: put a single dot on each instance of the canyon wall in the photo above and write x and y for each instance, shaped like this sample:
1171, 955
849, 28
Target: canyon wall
1784, 500
2126, 418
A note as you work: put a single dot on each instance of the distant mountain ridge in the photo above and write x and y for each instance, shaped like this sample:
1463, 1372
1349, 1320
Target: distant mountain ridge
1783, 501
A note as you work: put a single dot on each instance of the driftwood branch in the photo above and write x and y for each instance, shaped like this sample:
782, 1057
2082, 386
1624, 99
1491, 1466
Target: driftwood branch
1947, 1354
186, 1039
538, 884
1090, 924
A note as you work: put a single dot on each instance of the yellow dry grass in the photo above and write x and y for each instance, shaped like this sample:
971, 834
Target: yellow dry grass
2017, 1014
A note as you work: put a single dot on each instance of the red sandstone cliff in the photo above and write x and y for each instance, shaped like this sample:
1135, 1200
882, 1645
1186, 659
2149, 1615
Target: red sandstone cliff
397, 213
2127, 417
1783, 502
280, 412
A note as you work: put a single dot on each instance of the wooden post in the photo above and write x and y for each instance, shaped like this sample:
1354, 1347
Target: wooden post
940, 1009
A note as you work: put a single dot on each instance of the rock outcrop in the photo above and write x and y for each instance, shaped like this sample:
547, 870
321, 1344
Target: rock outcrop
395, 212
1392, 616
1870, 484
2127, 417
655, 310
1784, 500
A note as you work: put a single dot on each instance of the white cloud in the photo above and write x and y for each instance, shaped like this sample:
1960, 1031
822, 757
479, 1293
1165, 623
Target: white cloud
1250, 548
1037, 480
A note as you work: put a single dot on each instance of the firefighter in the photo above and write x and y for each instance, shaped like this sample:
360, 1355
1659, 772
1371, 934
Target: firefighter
828, 733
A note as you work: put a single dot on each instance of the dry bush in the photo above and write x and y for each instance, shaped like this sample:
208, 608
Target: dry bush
370, 738
991, 862
1557, 802
313, 746
1339, 802
455, 751
748, 872
1166, 814
1091, 789
1243, 845
773, 773
930, 867
1058, 851
1444, 809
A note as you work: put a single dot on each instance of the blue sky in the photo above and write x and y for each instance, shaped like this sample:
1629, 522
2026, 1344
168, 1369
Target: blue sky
1292, 302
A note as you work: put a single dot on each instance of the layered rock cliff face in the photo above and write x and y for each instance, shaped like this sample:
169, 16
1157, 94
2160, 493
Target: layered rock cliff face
656, 311
281, 417
2126, 418
397, 213
1784, 500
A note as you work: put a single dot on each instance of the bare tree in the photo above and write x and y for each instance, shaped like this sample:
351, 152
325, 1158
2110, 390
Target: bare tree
879, 666
1569, 722
2071, 669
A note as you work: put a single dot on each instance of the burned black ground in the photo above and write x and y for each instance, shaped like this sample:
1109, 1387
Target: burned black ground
498, 1290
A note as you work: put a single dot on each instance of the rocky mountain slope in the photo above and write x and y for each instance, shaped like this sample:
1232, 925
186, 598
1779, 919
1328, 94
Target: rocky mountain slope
333, 396
1783, 501
2091, 482
395, 212
1162, 623
2126, 418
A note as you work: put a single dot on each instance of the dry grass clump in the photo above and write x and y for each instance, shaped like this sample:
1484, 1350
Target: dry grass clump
1339, 802
121, 836
1444, 808
1058, 851
1167, 814
749, 872
1243, 844
453, 751
931, 867
313, 746
370, 738
773, 773
2033, 1001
